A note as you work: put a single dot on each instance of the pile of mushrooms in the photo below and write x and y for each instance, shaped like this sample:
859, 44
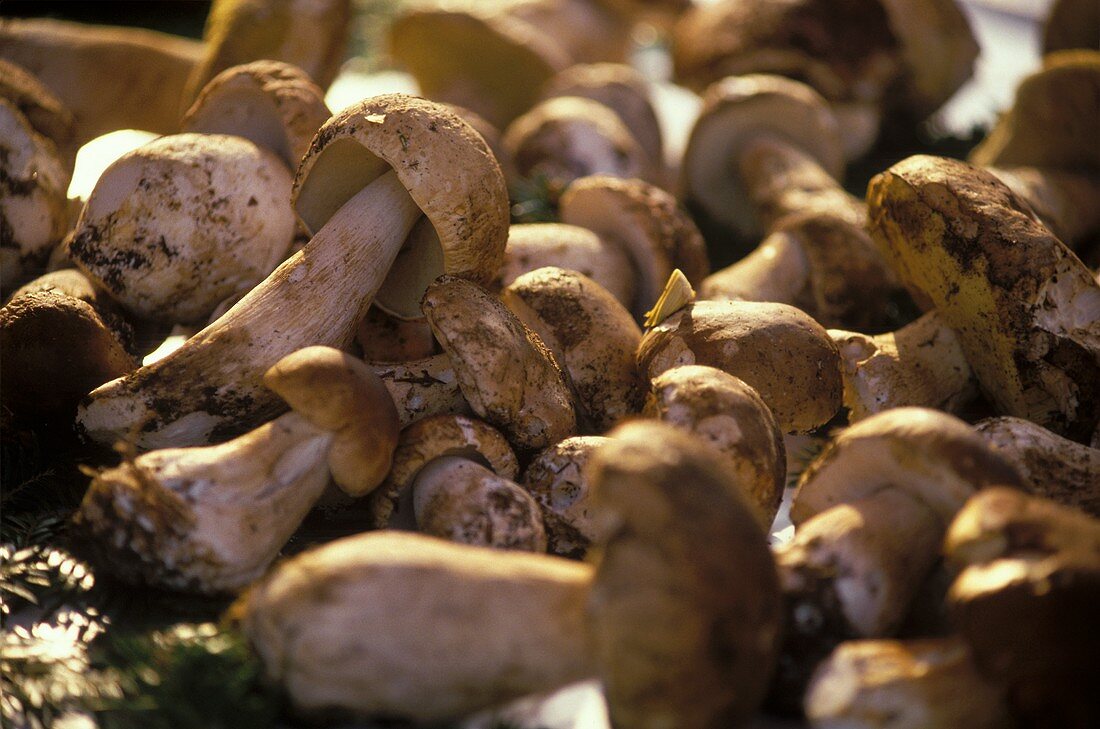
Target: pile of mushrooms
557, 451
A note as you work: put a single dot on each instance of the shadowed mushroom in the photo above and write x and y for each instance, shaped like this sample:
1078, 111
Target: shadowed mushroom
212, 519
557, 480
46, 113
360, 214
1061, 198
1071, 24
592, 336
422, 387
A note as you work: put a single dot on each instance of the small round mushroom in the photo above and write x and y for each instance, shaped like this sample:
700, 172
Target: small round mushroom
558, 481
776, 349
505, 371
212, 519
422, 387
592, 336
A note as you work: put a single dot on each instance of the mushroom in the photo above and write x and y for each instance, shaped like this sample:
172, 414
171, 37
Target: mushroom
383, 337
647, 223
360, 214
1061, 198
1071, 24
1053, 467
725, 412
179, 224
776, 349
504, 370
45, 112
535, 245
910, 684
1025, 309
1025, 602
920, 364
212, 519
422, 387
590, 334
557, 479
870, 513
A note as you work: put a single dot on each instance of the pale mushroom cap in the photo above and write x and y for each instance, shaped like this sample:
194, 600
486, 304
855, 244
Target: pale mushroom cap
685, 607
534, 245
341, 394
462, 501
737, 109
776, 349
45, 112
722, 410
505, 371
435, 437
593, 337
647, 222
183, 222
446, 167
273, 104
934, 457
557, 480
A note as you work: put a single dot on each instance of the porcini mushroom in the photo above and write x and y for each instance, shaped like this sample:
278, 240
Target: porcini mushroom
557, 479
46, 113
360, 215
422, 387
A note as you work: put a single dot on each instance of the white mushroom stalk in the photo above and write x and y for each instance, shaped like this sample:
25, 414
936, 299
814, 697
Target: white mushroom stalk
360, 200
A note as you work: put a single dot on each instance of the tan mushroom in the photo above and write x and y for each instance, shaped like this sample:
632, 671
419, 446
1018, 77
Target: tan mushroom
422, 387
1061, 198
46, 113
557, 479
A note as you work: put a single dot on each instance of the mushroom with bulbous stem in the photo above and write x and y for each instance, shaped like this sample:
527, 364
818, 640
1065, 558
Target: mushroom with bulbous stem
370, 173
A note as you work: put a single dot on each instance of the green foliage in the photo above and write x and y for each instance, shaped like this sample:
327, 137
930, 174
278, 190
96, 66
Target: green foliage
804, 458
533, 201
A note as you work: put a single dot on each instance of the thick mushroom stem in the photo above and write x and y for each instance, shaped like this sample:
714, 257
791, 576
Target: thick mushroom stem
920, 364
211, 385
776, 270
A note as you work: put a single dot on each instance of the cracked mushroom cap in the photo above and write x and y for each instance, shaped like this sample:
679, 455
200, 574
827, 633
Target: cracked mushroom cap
722, 410
778, 350
506, 373
1053, 121
592, 336
737, 110
490, 63
180, 224
685, 605
557, 479
934, 457
446, 167
431, 438
645, 221
341, 394
46, 113
1024, 307
274, 104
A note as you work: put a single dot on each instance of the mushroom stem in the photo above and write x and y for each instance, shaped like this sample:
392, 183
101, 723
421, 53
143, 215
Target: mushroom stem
211, 386
777, 270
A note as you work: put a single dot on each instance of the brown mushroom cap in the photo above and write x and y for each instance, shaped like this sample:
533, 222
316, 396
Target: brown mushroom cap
505, 371
776, 349
685, 606
431, 438
557, 480
1025, 309
932, 456
722, 410
274, 104
593, 337
1071, 24
647, 222
342, 394
737, 110
447, 169
45, 112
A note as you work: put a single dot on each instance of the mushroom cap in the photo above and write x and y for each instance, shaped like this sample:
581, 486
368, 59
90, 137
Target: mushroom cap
491, 63
1071, 24
341, 394
436, 437
183, 222
557, 480
738, 109
593, 337
619, 87
1054, 120
918, 684
506, 373
1024, 307
722, 410
423, 387
647, 222
934, 457
459, 500
568, 137
493, 137
685, 606
33, 210
536, 245
45, 112
444, 164
274, 104
778, 350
